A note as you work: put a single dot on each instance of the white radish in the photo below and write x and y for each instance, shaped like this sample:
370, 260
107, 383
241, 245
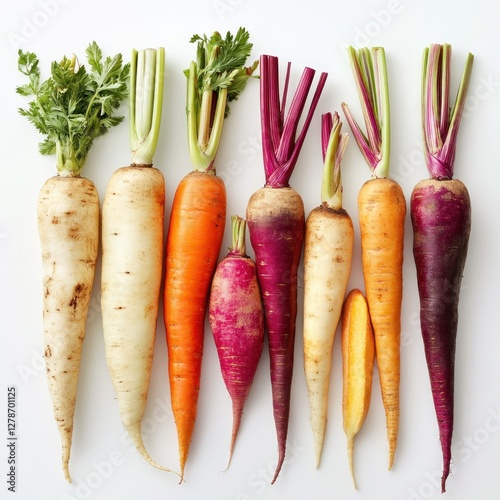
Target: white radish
132, 251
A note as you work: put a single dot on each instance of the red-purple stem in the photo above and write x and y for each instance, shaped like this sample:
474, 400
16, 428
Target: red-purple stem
280, 146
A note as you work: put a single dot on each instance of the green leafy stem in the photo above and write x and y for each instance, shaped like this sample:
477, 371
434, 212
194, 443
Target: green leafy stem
73, 106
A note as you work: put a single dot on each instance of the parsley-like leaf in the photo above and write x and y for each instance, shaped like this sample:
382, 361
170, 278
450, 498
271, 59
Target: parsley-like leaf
73, 106
221, 63
217, 77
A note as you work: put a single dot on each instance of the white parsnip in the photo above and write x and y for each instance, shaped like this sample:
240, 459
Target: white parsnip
132, 241
71, 108
132, 250
68, 223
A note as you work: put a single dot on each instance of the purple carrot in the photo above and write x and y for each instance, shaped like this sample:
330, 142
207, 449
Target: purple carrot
236, 317
276, 223
441, 218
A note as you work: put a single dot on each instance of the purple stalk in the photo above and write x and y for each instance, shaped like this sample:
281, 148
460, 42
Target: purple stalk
280, 144
326, 130
439, 123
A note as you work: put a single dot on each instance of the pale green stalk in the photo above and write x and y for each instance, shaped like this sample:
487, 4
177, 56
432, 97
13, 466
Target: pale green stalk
216, 78
147, 73
238, 227
331, 185
370, 75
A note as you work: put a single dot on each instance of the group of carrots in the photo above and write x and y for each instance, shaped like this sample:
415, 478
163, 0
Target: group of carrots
246, 299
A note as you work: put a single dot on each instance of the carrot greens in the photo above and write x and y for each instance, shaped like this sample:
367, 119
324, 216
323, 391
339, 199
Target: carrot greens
440, 122
73, 106
281, 145
370, 75
216, 78
145, 102
334, 144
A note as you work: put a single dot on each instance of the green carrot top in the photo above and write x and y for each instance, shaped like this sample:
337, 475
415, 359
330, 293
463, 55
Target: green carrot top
238, 227
333, 145
217, 77
73, 107
370, 74
147, 72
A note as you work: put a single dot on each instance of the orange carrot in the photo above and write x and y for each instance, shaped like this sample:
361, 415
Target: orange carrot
195, 236
382, 211
197, 222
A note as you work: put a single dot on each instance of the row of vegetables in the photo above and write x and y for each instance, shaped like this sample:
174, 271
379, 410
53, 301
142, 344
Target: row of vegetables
246, 298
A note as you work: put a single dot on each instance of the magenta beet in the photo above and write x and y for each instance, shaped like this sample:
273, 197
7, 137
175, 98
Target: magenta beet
236, 317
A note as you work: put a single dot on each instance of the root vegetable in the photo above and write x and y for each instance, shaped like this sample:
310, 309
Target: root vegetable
382, 212
71, 109
132, 244
358, 354
276, 223
197, 220
237, 320
441, 219
329, 240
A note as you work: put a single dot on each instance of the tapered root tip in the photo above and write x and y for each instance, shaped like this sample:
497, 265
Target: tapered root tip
182, 463
281, 459
66, 450
66, 471
350, 455
444, 477
136, 438
237, 414
391, 458
318, 450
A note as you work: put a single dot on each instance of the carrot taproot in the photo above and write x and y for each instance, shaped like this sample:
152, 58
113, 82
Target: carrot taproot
276, 223
197, 220
441, 220
132, 250
328, 248
71, 109
236, 317
382, 212
358, 355
197, 216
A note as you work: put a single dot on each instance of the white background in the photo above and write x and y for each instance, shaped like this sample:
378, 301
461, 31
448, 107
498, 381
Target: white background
313, 33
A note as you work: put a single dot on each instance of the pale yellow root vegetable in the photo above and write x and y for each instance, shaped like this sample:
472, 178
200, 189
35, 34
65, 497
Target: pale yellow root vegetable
68, 223
327, 262
132, 250
358, 353
132, 259
328, 251
71, 109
